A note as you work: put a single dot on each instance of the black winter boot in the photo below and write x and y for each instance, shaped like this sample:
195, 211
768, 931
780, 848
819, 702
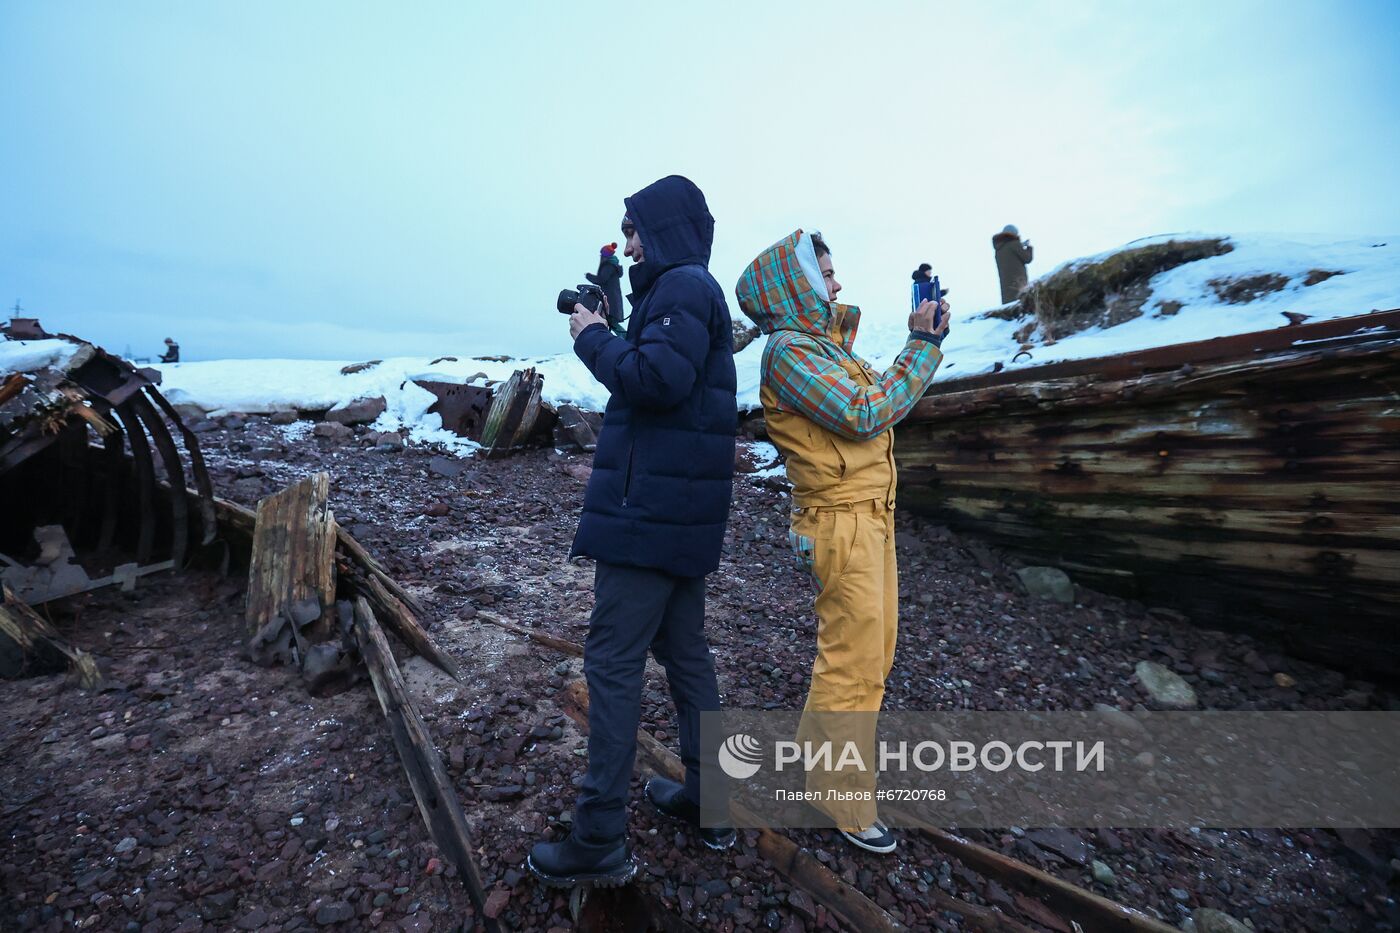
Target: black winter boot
669, 798
575, 862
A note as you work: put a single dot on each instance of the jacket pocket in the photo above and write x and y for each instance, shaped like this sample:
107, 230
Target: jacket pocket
627, 476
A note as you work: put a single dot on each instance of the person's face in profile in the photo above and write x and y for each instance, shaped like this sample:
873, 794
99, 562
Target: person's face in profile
633, 249
833, 287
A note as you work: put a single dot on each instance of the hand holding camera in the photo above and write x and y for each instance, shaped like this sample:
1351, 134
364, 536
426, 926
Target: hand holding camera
586, 306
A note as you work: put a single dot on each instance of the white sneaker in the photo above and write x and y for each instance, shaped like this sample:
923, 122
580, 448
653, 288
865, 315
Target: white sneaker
875, 838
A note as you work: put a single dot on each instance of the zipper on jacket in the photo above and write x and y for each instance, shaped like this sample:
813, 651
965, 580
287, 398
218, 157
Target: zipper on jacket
627, 479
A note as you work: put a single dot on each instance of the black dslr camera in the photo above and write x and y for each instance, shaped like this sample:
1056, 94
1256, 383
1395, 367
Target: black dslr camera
590, 296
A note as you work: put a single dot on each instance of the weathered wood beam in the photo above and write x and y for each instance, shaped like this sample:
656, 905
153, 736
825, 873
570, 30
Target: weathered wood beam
398, 609
145, 481
28, 643
432, 788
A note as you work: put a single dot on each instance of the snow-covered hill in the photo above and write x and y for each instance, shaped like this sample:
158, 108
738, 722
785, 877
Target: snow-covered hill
1244, 289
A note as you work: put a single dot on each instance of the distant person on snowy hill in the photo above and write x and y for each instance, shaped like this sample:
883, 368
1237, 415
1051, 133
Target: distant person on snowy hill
172, 352
1013, 255
609, 279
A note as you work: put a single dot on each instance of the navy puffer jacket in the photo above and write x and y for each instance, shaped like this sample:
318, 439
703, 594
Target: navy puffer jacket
662, 474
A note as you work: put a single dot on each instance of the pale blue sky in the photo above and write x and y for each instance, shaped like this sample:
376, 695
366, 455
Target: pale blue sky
353, 180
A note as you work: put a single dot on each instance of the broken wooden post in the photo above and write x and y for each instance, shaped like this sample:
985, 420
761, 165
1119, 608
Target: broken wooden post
432, 788
514, 409
28, 644
291, 582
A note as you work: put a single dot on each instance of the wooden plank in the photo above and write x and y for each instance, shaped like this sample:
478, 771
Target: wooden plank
293, 560
174, 475
432, 788
28, 644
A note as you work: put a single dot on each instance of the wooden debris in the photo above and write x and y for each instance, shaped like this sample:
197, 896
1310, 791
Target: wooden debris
371, 566
361, 575
291, 580
549, 641
29, 644
432, 788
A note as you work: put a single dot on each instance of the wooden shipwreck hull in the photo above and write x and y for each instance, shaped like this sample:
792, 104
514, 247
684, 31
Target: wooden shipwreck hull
1253, 480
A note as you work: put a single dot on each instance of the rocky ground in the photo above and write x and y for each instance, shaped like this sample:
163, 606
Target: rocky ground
199, 792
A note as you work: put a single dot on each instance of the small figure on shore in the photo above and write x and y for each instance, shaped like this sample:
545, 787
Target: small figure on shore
609, 279
1013, 255
172, 352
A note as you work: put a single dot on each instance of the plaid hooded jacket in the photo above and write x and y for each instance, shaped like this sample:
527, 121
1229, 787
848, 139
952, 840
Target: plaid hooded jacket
827, 409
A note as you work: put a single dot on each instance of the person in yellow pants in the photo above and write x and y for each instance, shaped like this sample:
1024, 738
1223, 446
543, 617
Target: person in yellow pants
830, 413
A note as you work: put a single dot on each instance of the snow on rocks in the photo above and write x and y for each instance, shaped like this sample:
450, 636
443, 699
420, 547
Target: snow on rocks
27, 356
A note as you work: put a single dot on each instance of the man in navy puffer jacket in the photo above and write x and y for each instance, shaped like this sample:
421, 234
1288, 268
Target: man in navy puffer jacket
653, 519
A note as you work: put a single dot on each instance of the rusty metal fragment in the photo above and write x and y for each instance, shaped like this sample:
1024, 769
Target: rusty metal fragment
462, 407
1251, 479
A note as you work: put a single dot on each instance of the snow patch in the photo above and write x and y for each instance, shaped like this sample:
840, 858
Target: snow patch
27, 356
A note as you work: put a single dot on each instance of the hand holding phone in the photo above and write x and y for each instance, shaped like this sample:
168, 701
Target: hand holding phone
928, 291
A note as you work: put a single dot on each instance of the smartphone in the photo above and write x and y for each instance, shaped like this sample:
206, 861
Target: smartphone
927, 291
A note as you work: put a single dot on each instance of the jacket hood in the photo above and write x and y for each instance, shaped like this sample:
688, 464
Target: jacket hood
782, 289
1004, 237
673, 221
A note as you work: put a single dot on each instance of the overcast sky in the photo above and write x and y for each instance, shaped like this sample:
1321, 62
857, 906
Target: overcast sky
347, 181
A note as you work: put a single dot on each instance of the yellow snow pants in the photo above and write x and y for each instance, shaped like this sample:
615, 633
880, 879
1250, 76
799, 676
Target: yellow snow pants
849, 551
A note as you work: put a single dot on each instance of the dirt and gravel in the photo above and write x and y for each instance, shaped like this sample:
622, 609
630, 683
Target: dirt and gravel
197, 791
